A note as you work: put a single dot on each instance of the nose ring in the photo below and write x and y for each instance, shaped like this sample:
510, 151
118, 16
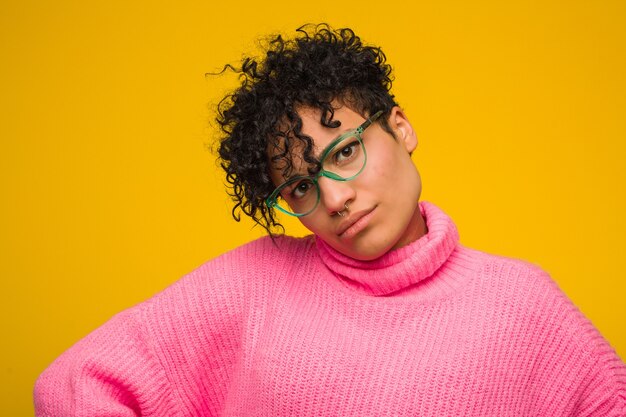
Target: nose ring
345, 208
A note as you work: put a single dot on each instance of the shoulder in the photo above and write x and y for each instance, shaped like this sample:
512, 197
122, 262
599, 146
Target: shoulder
274, 247
233, 273
527, 292
529, 303
511, 274
524, 293
261, 255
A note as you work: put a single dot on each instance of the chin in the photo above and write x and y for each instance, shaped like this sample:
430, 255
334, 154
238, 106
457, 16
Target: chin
366, 250
367, 256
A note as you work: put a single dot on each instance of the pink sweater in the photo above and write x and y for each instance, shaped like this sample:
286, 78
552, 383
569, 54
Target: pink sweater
297, 329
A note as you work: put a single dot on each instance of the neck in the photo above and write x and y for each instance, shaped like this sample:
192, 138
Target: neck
412, 263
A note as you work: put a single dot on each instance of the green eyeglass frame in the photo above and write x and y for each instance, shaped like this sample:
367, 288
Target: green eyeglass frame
272, 200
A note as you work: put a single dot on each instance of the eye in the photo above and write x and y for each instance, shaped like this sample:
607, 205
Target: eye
346, 152
301, 189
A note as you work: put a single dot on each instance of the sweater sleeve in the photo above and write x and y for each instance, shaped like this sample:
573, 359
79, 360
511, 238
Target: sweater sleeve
111, 372
603, 387
581, 365
171, 355
604, 392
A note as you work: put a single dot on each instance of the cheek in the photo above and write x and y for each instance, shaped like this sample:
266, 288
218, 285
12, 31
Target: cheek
314, 223
386, 168
395, 179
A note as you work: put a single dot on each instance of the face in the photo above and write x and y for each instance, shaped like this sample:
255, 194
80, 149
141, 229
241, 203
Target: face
382, 201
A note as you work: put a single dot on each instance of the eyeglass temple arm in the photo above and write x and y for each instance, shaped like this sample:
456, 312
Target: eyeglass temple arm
369, 121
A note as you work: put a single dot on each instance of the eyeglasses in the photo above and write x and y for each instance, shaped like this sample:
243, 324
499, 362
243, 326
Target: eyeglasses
342, 160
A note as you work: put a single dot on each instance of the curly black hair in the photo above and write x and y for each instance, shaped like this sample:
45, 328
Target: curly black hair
319, 66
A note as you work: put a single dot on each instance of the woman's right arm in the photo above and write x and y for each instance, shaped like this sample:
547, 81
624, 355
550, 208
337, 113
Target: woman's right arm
111, 372
169, 356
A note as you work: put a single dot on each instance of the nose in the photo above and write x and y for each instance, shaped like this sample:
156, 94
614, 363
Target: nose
335, 194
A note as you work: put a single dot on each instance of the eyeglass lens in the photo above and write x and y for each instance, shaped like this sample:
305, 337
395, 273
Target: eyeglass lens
345, 160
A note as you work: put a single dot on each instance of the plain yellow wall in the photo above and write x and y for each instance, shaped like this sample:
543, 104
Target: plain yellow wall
109, 194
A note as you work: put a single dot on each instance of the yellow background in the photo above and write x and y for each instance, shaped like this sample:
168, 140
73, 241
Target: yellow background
109, 194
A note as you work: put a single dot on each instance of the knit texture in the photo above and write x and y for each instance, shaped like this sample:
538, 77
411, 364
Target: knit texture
297, 329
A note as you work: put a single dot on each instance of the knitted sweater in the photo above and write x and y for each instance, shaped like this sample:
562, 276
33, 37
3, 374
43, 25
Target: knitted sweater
298, 329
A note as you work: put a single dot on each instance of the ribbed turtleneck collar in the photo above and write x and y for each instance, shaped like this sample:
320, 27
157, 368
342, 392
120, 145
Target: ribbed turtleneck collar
399, 268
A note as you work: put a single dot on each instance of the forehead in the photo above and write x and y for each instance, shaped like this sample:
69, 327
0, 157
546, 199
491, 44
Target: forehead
287, 161
322, 135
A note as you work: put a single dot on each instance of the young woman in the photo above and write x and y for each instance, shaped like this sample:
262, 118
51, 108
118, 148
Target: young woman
381, 312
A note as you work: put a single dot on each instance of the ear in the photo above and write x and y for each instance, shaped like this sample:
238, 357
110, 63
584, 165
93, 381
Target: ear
402, 128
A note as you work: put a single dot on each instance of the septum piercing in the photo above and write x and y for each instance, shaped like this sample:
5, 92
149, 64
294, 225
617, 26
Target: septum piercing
345, 208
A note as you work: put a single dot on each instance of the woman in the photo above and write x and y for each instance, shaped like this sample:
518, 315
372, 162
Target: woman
380, 312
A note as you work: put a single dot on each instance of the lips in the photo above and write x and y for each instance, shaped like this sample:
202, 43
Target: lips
354, 223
